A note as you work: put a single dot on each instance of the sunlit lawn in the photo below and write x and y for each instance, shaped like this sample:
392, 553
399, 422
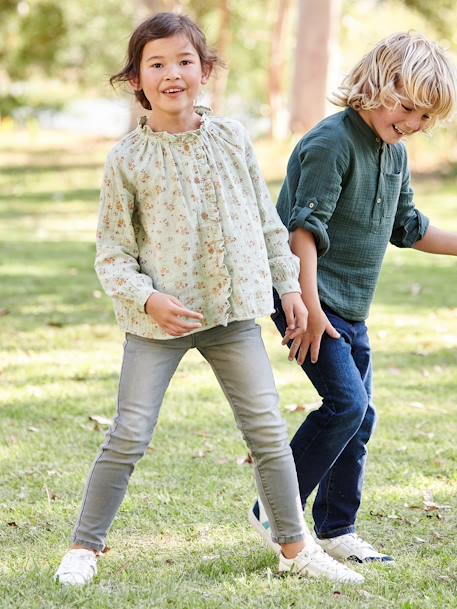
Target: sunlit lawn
182, 539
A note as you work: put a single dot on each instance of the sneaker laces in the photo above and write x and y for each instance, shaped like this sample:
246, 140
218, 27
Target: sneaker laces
357, 542
324, 561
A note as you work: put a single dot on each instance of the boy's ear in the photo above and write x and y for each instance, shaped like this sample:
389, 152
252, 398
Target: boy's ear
206, 73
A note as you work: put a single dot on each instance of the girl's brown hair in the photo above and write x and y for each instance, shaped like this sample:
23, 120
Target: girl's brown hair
162, 25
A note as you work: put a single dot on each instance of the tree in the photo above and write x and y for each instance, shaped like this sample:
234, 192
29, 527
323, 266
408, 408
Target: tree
223, 46
276, 93
316, 34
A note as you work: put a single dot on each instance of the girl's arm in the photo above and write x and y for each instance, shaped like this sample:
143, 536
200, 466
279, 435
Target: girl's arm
116, 261
437, 241
303, 244
284, 266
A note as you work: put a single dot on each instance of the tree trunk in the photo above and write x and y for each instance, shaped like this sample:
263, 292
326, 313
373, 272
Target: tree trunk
276, 93
316, 35
223, 46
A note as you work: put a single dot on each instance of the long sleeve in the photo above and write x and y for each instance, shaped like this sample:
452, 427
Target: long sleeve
284, 265
410, 225
317, 192
116, 261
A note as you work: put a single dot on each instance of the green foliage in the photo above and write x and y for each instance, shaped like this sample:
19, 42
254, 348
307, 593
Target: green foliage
42, 34
441, 13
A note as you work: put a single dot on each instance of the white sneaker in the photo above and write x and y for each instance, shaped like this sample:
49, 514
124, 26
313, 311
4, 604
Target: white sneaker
78, 568
262, 526
352, 547
314, 562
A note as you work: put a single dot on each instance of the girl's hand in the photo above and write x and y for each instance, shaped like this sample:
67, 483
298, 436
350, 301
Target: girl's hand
168, 312
297, 318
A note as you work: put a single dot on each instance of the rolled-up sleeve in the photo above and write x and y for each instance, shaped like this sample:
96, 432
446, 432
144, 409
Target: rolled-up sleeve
284, 265
116, 261
317, 192
410, 225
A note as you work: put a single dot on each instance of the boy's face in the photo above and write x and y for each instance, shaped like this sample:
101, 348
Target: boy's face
171, 75
392, 125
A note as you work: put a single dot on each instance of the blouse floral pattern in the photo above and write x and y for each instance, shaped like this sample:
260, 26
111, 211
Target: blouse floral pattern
190, 215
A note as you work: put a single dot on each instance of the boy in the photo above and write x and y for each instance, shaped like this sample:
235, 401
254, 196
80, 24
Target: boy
346, 195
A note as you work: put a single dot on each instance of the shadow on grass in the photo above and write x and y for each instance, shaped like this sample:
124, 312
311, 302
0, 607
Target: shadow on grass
19, 170
416, 284
57, 196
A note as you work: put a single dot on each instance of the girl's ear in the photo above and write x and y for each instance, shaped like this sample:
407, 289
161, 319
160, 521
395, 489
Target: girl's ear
206, 73
135, 84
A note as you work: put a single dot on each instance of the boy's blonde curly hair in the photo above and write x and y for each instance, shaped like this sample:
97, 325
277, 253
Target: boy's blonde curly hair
403, 67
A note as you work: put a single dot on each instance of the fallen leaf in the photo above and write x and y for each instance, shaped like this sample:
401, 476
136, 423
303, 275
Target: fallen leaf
415, 289
419, 539
210, 557
303, 407
417, 405
33, 429
55, 324
4, 312
246, 461
50, 495
13, 525
99, 421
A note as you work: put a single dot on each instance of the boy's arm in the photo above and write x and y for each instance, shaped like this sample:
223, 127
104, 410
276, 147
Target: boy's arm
437, 241
303, 245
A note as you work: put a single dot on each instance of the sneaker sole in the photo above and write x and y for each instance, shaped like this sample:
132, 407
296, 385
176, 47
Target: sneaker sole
257, 525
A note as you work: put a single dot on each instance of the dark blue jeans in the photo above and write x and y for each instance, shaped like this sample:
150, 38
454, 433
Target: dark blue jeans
329, 448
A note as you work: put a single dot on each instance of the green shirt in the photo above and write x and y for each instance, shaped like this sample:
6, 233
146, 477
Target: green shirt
352, 191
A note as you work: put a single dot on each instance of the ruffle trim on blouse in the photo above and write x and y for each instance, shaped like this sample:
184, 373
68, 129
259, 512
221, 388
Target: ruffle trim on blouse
165, 136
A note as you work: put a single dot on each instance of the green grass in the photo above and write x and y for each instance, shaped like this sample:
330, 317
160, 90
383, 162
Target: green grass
181, 539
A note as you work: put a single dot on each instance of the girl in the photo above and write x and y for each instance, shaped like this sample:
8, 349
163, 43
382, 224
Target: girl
188, 242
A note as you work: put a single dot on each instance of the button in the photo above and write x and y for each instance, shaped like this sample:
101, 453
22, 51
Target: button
378, 139
311, 205
378, 200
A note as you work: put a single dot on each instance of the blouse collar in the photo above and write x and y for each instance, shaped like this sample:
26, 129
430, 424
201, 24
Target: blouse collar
165, 136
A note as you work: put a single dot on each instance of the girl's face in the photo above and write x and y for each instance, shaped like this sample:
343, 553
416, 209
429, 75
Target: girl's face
171, 75
391, 125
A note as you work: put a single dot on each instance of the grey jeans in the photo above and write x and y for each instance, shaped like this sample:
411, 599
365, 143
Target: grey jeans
237, 355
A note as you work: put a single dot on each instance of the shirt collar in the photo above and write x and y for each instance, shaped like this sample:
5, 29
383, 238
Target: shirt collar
365, 131
164, 136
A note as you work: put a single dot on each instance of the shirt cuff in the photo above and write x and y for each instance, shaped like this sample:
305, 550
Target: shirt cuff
412, 231
142, 297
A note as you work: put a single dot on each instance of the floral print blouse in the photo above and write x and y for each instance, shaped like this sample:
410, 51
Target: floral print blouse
189, 214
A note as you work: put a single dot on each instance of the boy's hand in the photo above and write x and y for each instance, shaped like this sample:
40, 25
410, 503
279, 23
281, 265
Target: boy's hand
318, 323
296, 317
168, 312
